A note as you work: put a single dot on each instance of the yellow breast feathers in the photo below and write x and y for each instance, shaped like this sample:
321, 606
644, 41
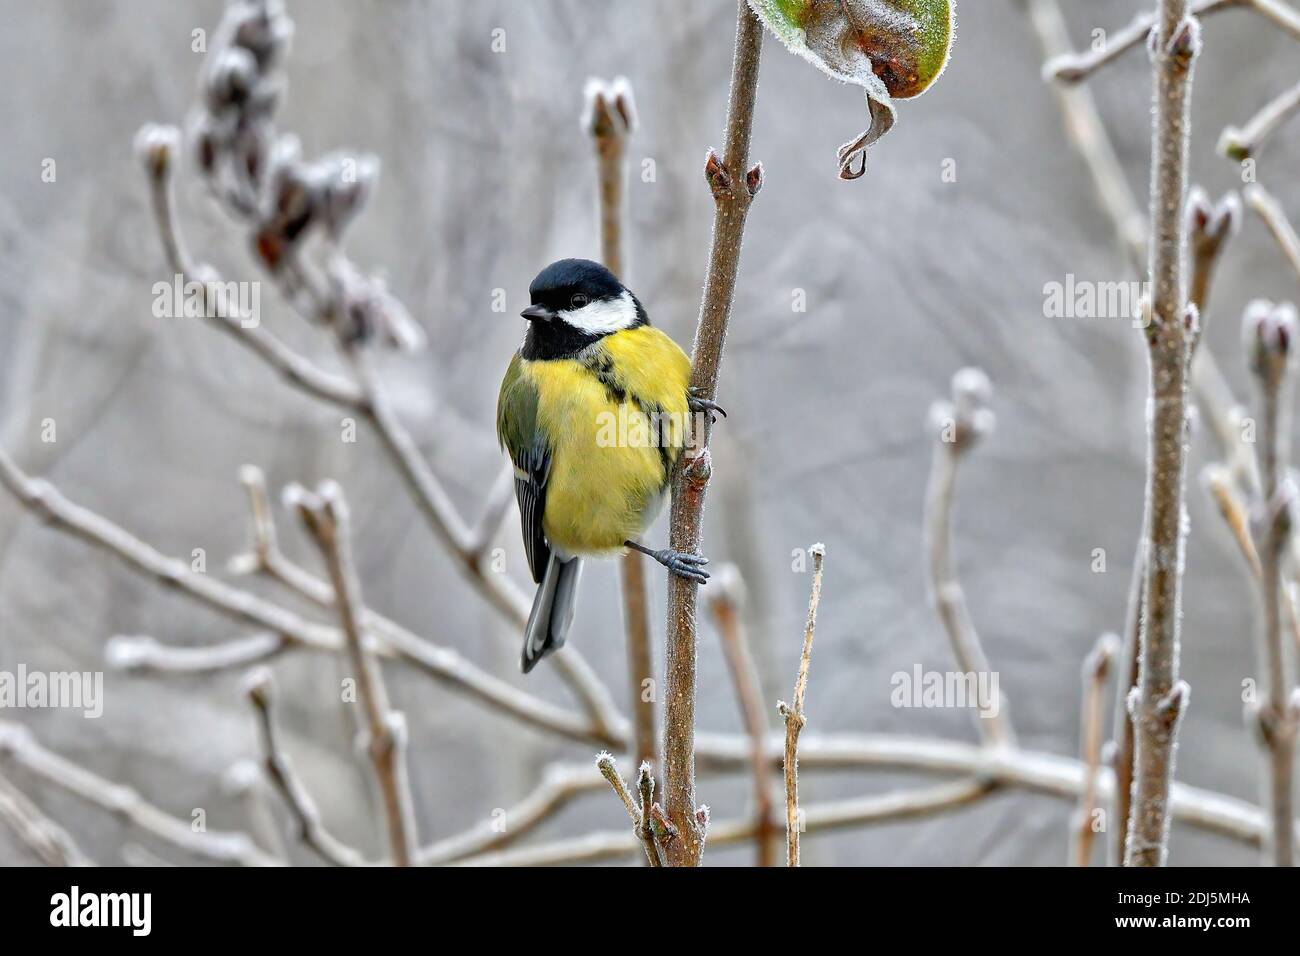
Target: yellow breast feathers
616, 417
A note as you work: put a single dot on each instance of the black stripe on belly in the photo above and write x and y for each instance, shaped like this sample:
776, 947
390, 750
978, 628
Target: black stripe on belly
601, 365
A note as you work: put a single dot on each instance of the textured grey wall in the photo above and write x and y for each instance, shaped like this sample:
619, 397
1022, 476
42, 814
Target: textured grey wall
486, 178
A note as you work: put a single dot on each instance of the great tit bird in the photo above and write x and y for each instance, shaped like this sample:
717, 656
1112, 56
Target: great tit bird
594, 411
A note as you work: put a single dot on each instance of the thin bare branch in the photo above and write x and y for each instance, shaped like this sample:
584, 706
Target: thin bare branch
311, 829
818, 818
641, 812
794, 714
645, 830
1218, 482
733, 184
1039, 772
1121, 749
1278, 13
609, 116
1243, 142
1270, 211
1095, 672
1087, 132
1270, 334
245, 784
19, 748
558, 787
1161, 697
142, 654
1071, 67
325, 514
48, 842
145, 654
957, 425
724, 602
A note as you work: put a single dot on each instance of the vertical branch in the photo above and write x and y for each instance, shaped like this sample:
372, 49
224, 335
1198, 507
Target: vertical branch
734, 185
325, 514
957, 426
1270, 342
794, 716
1160, 696
725, 601
1122, 749
610, 117
1095, 669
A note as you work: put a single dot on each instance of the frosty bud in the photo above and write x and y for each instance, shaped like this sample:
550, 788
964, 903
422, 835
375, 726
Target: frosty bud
156, 147
231, 79
1269, 331
1207, 220
262, 29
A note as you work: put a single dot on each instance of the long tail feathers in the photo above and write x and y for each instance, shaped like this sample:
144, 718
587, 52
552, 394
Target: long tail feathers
552, 613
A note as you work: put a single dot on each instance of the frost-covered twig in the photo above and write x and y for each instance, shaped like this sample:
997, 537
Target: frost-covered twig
819, 817
19, 748
640, 811
1218, 481
1242, 142
1091, 140
312, 830
609, 117
724, 602
559, 785
1088, 133
1270, 211
957, 426
1041, 772
1270, 336
1161, 697
325, 515
48, 841
794, 715
1074, 67
1121, 745
1210, 225
734, 183
1279, 13
245, 784
142, 654
1095, 670
645, 787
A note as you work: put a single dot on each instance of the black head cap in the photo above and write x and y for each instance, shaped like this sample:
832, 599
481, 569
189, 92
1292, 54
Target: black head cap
557, 284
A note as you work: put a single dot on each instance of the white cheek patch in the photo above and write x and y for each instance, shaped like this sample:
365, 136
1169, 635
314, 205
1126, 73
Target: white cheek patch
607, 315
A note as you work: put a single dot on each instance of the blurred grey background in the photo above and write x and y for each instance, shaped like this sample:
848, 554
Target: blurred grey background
487, 177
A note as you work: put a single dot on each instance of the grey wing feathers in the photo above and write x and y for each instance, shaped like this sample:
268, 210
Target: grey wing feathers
532, 468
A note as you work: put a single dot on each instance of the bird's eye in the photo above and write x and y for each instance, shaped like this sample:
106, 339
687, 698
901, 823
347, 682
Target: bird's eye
578, 301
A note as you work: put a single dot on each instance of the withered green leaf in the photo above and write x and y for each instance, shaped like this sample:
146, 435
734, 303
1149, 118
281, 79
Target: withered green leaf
894, 49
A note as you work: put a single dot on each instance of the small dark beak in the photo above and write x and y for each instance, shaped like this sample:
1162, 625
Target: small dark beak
535, 312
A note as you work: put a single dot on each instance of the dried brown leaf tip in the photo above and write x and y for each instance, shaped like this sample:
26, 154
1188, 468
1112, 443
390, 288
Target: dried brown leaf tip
894, 49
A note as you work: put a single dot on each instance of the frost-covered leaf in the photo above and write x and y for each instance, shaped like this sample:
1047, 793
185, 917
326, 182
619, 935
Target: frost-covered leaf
894, 49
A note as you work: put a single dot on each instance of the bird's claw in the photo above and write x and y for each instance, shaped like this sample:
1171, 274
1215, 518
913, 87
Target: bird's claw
698, 403
689, 566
